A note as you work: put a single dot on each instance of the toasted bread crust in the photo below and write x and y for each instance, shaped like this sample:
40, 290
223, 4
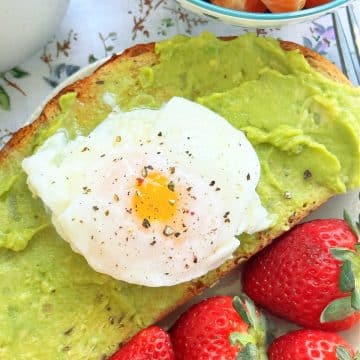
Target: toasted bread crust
318, 62
144, 54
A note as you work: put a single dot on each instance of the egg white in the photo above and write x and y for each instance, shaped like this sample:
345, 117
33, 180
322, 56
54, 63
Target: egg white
89, 185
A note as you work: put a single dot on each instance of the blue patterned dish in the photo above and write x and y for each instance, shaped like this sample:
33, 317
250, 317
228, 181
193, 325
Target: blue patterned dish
259, 20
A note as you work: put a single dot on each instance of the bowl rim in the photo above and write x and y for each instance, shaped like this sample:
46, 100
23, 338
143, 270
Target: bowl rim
266, 16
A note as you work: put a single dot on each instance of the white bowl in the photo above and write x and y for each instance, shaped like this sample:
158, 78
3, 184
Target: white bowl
259, 20
25, 26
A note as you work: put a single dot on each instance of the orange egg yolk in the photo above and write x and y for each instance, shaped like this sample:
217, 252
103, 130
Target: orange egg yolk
155, 198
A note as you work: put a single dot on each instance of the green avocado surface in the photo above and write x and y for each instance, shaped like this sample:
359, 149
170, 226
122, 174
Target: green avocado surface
305, 129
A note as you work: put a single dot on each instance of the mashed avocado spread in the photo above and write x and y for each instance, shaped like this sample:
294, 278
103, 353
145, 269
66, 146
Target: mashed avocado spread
305, 129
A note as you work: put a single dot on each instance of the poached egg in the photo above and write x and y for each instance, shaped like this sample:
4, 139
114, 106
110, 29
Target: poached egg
151, 197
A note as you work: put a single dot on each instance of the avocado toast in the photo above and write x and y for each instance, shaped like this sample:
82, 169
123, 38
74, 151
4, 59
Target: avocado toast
305, 128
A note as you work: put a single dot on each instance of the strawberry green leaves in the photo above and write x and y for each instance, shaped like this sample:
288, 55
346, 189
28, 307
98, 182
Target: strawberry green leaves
249, 352
337, 310
341, 254
347, 277
355, 299
343, 354
349, 281
240, 338
246, 309
252, 342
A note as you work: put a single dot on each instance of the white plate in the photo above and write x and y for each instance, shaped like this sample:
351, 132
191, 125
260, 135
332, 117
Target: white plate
230, 285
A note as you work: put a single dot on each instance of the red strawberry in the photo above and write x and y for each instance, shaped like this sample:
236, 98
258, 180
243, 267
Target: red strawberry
310, 275
214, 329
310, 345
150, 343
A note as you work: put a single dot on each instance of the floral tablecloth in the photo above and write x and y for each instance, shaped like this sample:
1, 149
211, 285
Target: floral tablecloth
94, 29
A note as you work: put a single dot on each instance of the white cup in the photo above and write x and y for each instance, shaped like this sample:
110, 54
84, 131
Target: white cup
25, 26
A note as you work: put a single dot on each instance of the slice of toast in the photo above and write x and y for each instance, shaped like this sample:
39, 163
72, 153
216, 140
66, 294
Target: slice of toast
105, 312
